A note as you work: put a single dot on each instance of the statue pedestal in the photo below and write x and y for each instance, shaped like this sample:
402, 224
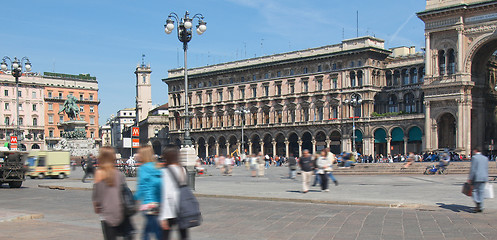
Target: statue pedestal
74, 125
74, 139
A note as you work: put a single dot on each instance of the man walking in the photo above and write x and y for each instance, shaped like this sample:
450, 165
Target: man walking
307, 168
478, 176
292, 164
90, 167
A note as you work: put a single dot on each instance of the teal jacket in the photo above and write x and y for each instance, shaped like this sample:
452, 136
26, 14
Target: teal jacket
149, 184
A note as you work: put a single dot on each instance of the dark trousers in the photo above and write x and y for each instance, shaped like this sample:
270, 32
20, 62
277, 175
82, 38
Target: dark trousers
182, 232
109, 232
324, 181
152, 227
87, 174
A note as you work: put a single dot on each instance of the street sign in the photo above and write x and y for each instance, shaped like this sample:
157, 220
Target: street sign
135, 132
126, 142
13, 143
136, 143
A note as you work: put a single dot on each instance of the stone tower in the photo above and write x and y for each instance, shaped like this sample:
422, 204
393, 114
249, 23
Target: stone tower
143, 91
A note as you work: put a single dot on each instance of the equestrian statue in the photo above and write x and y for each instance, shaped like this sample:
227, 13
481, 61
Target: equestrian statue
71, 108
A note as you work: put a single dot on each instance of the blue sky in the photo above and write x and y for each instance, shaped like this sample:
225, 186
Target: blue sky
107, 38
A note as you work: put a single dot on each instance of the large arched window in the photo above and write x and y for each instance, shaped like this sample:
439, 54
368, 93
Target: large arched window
421, 74
409, 103
393, 105
405, 77
396, 77
452, 62
388, 76
413, 75
352, 79
441, 62
359, 78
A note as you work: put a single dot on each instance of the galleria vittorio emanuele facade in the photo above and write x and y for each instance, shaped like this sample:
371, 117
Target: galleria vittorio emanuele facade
442, 97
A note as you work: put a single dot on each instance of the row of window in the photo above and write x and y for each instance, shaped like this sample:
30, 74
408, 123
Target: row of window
50, 94
406, 76
61, 119
268, 75
61, 95
34, 106
8, 122
410, 104
253, 91
61, 106
19, 93
446, 62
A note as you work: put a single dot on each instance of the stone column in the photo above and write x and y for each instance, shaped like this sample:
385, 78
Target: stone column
405, 144
367, 144
314, 146
250, 147
206, 149
460, 122
287, 148
262, 146
274, 147
196, 149
460, 49
428, 63
217, 148
428, 127
228, 152
328, 142
467, 125
300, 147
389, 151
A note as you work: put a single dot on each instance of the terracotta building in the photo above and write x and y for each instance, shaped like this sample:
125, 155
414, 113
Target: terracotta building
85, 89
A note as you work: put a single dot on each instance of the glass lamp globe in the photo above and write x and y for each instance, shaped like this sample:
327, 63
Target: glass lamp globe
188, 24
28, 67
15, 65
202, 27
4, 66
199, 32
168, 31
170, 26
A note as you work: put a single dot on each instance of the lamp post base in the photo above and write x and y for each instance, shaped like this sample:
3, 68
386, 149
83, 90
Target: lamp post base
188, 159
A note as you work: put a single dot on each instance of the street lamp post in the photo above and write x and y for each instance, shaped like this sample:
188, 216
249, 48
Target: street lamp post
17, 71
184, 28
354, 101
242, 111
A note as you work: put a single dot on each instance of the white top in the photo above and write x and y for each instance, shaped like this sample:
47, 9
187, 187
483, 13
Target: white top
170, 192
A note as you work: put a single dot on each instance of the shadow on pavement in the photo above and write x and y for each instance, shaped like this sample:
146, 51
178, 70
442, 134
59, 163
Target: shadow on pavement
297, 191
456, 207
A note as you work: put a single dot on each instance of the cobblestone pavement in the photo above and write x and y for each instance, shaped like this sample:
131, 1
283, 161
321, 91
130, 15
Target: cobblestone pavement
69, 215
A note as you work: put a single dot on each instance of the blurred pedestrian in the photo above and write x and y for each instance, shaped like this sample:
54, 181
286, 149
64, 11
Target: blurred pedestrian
292, 165
253, 164
172, 176
323, 163
148, 192
307, 167
89, 167
260, 161
478, 177
107, 198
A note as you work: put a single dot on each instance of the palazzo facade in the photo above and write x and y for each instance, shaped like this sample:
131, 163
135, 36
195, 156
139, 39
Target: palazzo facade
296, 101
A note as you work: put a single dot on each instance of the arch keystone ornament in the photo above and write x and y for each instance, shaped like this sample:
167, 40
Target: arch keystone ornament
461, 39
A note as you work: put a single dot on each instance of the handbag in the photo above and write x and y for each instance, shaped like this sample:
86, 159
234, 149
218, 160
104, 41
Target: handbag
188, 212
489, 190
467, 189
129, 203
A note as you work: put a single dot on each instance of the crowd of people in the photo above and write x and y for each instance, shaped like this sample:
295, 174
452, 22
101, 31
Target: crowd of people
157, 194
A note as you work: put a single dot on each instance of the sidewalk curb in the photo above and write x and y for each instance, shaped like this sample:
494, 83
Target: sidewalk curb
22, 217
296, 200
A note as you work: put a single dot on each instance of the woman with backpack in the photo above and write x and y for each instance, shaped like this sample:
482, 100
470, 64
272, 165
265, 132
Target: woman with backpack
107, 197
149, 191
173, 176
